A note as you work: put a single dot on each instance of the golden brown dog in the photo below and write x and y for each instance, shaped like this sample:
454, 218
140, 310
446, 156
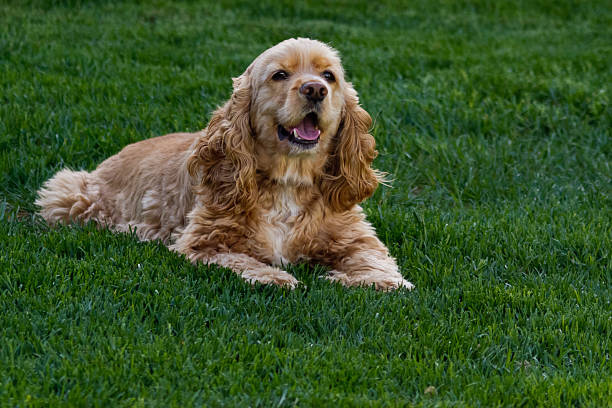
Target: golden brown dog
275, 178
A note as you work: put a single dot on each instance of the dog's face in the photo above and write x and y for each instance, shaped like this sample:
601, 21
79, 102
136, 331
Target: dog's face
292, 119
298, 97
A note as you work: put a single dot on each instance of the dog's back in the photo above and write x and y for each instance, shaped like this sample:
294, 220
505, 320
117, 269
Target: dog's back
145, 188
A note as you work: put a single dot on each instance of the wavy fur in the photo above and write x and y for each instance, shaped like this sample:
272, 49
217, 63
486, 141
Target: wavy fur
349, 179
241, 193
223, 160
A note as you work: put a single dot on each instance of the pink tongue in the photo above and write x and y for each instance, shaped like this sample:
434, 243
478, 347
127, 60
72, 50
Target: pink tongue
306, 129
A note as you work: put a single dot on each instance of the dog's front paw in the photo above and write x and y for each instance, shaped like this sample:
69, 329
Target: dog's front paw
382, 281
393, 284
269, 276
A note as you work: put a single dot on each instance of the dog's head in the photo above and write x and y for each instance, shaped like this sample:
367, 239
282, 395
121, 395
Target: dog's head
294, 118
298, 97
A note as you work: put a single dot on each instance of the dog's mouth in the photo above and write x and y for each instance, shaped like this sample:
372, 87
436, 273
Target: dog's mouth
305, 134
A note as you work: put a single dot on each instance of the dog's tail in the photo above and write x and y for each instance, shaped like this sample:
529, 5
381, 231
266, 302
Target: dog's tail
63, 198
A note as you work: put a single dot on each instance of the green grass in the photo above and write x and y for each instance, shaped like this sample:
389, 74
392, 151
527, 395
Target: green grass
493, 118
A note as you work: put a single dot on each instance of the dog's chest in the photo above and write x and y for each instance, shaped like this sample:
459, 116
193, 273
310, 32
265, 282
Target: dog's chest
279, 228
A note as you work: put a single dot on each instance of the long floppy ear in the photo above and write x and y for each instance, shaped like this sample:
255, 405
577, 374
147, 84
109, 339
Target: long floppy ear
348, 177
223, 160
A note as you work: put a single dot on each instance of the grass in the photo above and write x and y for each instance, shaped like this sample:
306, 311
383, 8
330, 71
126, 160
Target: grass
492, 117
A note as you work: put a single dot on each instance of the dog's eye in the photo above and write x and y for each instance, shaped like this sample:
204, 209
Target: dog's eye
329, 77
280, 75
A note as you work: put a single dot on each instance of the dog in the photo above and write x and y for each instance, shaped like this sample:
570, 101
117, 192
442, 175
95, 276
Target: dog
275, 178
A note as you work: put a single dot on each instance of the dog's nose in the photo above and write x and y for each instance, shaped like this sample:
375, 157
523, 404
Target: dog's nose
313, 91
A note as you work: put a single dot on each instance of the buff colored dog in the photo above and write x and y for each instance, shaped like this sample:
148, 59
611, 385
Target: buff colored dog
275, 178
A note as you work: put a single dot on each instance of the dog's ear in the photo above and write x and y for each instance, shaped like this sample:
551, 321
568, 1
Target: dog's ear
348, 178
223, 160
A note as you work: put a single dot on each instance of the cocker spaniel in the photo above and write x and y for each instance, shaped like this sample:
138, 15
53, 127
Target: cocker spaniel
275, 178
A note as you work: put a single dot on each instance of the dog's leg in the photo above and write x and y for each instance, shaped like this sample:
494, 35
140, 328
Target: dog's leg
205, 240
252, 270
369, 267
359, 258
246, 266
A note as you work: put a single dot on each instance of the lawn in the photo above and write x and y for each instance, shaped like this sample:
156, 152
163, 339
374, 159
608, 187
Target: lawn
492, 117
